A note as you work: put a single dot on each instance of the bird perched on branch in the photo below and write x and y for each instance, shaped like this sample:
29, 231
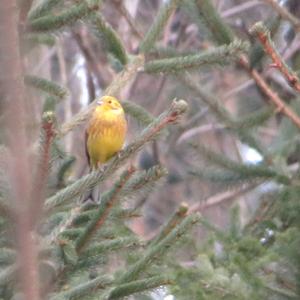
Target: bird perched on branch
106, 131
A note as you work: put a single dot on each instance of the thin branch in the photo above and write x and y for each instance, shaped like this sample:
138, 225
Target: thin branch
262, 33
177, 218
266, 89
157, 250
222, 197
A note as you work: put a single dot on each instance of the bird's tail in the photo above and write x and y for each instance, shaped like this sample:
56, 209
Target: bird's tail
91, 195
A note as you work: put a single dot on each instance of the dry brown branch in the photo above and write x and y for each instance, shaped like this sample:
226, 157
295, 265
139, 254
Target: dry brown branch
222, 197
266, 89
264, 37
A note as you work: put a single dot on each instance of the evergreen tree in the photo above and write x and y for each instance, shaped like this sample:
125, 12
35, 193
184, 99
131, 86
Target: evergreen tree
57, 58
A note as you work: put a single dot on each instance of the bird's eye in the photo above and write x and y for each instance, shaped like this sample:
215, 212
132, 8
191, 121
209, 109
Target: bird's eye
109, 101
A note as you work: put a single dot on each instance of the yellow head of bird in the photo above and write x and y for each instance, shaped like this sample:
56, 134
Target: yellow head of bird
109, 103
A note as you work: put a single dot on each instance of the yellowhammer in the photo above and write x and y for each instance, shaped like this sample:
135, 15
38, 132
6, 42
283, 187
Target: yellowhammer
106, 131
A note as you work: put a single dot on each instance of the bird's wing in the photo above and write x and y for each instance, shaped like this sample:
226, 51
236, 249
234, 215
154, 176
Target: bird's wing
86, 148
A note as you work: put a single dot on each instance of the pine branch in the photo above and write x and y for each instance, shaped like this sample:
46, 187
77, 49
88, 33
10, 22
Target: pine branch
40, 179
254, 171
266, 89
262, 33
130, 288
176, 219
217, 56
33, 39
49, 23
47, 86
158, 249
42, 8
223, 177
89, 181
255, 119
221, 32
158, 25
144, 180
84, 289
138, 112
101, 248
106, 204
110, 38
114, 88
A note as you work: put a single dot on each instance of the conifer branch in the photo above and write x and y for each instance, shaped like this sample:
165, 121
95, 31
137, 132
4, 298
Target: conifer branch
177, 218
221, 32
158, 249
89, 181
262, 33
130, 288
42, 8
216, 26
110, 245
281, 106
110, 38
106, 204
49, 23
33, 39
84, 289
259, 171
143, 180
113, 89
138, 112
41, 175
47, 86
285, 14
158, 25
218, 56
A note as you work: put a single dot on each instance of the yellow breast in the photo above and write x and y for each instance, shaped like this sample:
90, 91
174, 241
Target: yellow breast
105, 135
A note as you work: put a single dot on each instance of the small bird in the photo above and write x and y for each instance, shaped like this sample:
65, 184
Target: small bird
106, 131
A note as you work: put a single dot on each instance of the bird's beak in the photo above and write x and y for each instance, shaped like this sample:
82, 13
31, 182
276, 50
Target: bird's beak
99, 102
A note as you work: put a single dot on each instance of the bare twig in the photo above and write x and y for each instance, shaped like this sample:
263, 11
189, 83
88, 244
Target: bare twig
261, 32
266, 89
222, 197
